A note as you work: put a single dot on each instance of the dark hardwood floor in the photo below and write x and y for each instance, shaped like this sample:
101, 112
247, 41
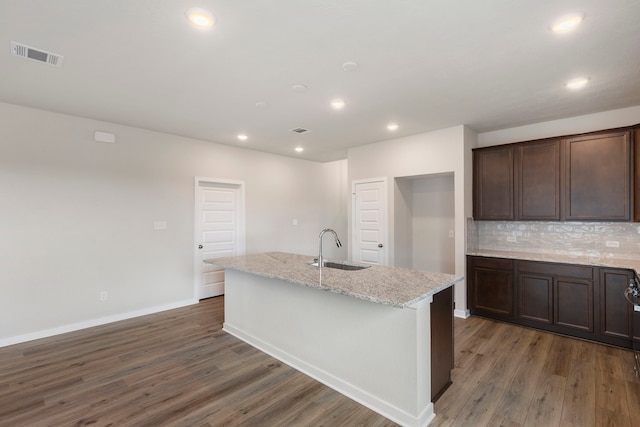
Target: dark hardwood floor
178, 368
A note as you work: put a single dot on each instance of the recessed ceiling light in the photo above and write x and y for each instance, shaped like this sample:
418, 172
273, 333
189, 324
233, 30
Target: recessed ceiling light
350, 66
242, 137
338, 104
567, 23
392, 126
299, 149
578, 83
199, 17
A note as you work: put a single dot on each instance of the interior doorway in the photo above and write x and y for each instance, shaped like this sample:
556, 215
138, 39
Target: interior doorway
219, 230
424, 209
369, 224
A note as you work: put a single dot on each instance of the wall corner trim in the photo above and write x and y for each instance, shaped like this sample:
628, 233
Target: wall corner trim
463, 314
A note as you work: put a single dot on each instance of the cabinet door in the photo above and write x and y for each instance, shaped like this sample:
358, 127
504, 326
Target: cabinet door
538, 171
491, 287
493, 188
616, 314
573, 303
535, 298
597, 177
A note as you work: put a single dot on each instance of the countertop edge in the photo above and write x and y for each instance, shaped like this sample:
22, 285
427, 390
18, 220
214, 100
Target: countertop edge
228, 263
630, 264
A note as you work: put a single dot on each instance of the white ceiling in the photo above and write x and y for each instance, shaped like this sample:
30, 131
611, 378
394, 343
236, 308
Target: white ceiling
426, 64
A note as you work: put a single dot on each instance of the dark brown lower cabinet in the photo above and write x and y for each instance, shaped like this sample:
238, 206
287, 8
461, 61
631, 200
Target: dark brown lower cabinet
576, 300
573, 304
491, 287
441, 342
616, 313
556, 297
535, 299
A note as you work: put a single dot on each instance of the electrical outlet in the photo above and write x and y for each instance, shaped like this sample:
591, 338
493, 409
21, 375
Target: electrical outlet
103, 296
612, 244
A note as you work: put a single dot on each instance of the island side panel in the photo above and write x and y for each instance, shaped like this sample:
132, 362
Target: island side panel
442, 354
377, 354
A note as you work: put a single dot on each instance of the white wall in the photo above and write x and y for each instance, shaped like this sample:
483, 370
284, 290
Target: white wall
76, 217
570, 126
424, 214
444, 151
433, 217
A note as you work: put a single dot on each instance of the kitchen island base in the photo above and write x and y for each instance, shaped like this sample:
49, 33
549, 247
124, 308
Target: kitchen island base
377, 354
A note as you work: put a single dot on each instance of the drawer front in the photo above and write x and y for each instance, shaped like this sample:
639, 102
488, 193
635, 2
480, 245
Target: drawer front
558, 270
492, 263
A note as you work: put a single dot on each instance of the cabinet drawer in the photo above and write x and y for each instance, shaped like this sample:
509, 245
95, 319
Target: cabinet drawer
492, 263
562, 270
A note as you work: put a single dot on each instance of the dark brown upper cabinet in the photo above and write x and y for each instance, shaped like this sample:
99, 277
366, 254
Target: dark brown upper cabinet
598, 177
538, 178
576, 178
493, 183
517, 181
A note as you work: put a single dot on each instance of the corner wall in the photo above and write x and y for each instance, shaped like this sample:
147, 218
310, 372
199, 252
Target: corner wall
442, 151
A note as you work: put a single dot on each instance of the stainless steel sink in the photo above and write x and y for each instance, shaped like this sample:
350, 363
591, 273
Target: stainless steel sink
340, 265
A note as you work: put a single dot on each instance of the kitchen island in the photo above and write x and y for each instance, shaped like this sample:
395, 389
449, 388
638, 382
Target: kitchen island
365, 333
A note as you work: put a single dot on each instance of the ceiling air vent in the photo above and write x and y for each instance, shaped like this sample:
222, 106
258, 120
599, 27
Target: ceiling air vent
300, 130
28, 52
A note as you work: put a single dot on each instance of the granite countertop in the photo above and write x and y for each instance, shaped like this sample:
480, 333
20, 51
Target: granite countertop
399, 287
632, 264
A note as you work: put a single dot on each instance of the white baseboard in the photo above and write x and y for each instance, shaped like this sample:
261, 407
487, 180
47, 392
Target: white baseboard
366, 399
463, 314
93, 322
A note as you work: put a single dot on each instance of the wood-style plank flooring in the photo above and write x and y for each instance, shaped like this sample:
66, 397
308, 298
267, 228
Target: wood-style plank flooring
178, 368
173, 368
506, 375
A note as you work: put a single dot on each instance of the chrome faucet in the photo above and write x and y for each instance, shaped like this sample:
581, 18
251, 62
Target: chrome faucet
338, 244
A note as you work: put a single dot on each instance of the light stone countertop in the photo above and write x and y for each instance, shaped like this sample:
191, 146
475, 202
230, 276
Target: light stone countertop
399, 287
632, 264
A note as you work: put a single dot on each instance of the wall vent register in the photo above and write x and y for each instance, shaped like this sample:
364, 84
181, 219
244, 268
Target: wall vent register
34, 54
300, 130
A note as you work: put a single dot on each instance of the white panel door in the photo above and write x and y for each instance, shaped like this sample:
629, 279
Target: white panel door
369, 222
219, 232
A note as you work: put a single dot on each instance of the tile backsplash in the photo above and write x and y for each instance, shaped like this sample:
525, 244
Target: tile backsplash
590, 239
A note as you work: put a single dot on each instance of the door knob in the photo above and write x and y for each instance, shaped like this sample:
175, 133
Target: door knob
200, 246
380, 245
